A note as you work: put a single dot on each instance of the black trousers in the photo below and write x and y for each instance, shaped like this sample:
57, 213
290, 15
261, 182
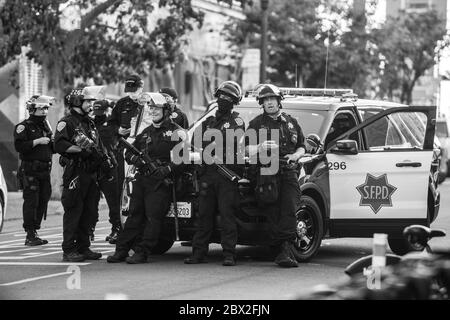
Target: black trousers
36, 195
220, 195
110, 190
80, 202
281, 214
149, 204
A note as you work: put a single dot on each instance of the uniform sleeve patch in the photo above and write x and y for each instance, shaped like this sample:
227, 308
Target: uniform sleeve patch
239, 121
174, 115
20, 128
61, 126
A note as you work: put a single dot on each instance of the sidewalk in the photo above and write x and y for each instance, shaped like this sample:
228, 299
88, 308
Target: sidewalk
15, 201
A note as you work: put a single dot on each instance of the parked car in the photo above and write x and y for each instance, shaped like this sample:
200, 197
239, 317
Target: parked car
3, 198
373, 174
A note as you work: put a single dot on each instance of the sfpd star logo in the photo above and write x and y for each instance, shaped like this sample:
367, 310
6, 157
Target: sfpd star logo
376, 192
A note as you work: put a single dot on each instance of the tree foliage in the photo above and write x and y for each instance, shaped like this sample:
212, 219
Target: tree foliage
112, 39
407, 46
296, 35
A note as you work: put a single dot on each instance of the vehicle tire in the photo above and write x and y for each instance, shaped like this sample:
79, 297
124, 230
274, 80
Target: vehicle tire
163, 245
309, 229
2, 213
399, 246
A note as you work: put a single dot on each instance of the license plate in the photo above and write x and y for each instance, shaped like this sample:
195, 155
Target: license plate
184, 210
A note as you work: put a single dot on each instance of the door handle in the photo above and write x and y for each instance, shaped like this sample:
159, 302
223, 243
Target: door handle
408, 164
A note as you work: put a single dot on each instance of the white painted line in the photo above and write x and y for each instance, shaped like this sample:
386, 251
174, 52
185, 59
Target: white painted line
18, 250
36, 278
44, 263
27, 257
48, 229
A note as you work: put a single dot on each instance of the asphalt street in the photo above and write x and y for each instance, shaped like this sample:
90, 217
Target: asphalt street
38, 272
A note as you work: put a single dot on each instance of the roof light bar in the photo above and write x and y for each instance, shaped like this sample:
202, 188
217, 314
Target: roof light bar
315, 92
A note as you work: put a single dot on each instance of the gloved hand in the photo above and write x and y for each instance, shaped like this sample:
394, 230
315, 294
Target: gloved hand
84, 154
135, 161
161, 172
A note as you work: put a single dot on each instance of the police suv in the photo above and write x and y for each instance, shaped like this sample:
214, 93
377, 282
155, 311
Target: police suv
372, 170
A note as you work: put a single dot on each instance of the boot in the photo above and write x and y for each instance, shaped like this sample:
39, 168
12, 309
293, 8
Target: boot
88, 254
229, 261
73, 257
32, 239
285, 258
112, 237
195, 259
137, 257
118, 256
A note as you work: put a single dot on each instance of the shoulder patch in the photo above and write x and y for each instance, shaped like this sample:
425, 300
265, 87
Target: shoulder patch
174, 115
20, 128
239, 121
61, 126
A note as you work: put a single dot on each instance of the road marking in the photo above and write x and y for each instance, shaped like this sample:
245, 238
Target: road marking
44, 263
27, 257
35, 279
49, 229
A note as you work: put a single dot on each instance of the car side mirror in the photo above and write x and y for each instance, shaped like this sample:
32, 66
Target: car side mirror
345, 147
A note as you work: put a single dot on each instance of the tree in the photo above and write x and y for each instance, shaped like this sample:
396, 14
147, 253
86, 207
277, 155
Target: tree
296, 38
408, 45
113, 38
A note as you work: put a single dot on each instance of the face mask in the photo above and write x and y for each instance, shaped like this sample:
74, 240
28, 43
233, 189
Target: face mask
224, 105
101, 118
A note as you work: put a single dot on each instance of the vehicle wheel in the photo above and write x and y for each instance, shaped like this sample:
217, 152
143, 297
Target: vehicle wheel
309, 229
163, 245
399, 246
2, 213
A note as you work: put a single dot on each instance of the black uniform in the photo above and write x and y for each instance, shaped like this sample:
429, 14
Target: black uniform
107, 181
35, 169
80, 190
281, 213
150, 199
218, 193
179, 117
124, 110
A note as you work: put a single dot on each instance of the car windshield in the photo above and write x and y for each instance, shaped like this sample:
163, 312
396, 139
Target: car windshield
311, 121
441, 129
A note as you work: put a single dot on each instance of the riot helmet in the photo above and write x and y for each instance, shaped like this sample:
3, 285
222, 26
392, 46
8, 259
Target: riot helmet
268, 90
39, 102
230, 89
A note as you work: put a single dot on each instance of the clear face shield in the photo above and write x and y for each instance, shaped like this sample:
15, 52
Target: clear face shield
154, 104
39, 106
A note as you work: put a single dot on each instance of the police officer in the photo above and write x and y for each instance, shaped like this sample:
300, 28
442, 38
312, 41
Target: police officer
34, 142
152, 191
107, 181
218, 191
125, 110
77, 140
177, 116
281, 212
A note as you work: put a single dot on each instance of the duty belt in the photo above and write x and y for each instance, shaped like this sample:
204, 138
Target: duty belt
37, 165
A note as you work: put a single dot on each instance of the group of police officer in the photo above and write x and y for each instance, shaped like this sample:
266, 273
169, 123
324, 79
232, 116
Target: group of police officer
93, 161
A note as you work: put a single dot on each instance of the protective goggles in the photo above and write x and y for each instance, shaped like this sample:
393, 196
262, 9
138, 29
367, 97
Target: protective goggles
222, 96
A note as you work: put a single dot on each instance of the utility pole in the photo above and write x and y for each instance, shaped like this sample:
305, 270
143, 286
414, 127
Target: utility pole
264, 25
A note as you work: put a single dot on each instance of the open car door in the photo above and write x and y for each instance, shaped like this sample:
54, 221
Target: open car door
380, 184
